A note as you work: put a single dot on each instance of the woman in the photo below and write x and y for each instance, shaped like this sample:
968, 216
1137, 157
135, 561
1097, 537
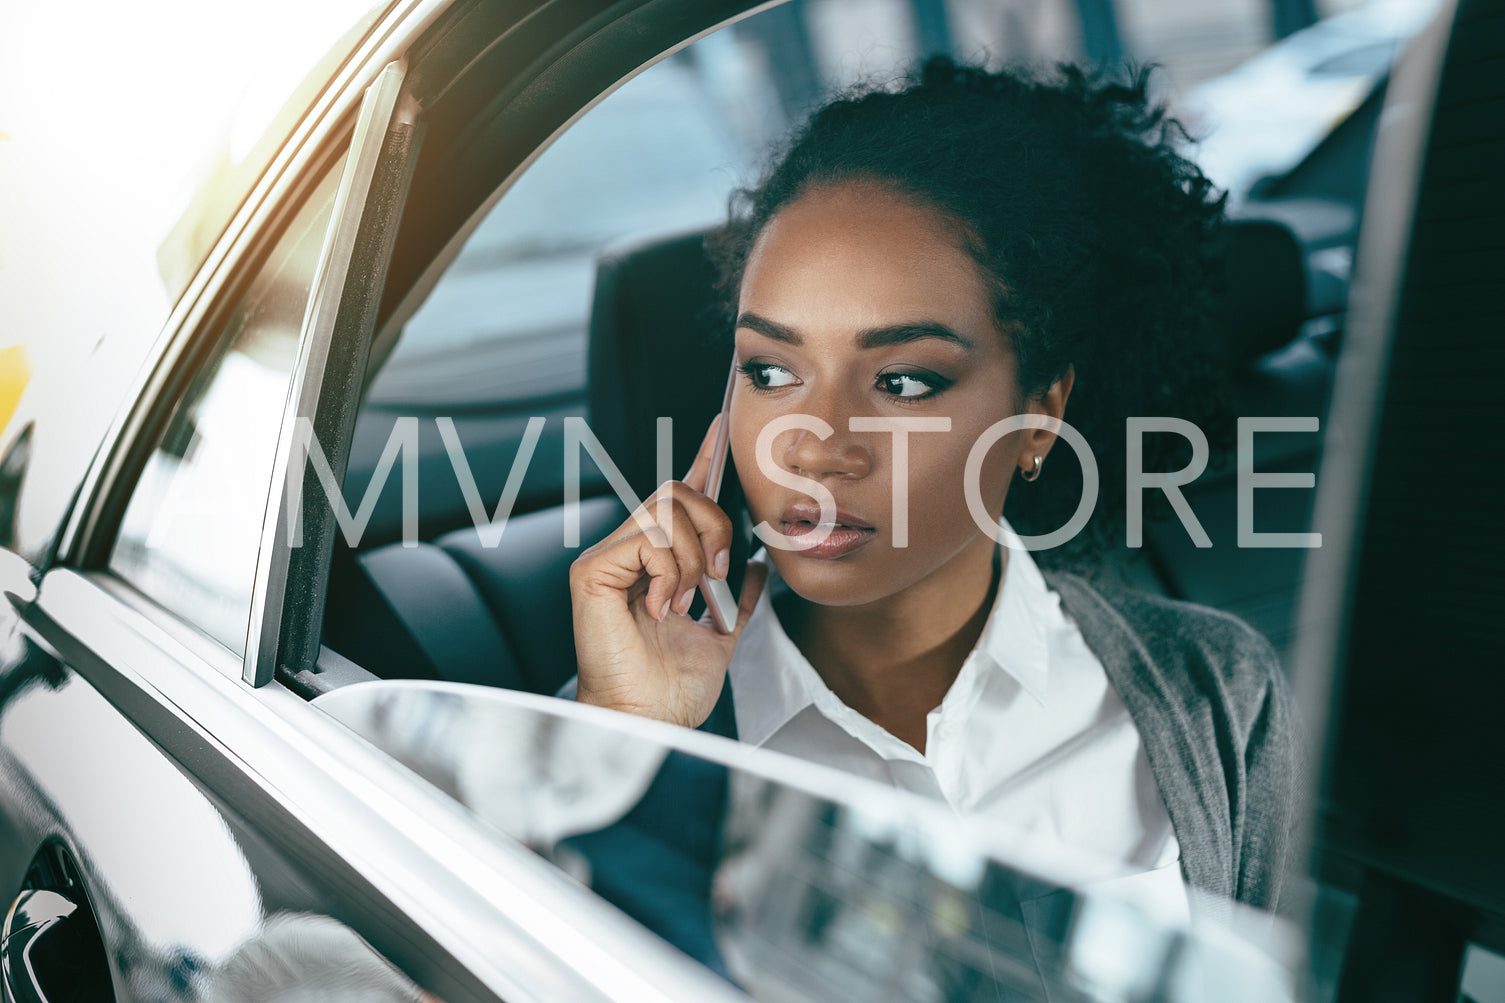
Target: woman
974, 247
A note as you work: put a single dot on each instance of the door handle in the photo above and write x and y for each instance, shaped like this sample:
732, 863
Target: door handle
33, 916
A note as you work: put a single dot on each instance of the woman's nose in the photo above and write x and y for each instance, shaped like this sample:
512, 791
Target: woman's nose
841, 454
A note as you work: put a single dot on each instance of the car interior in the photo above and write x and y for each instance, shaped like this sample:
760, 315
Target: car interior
454, 609
645, 336
651, 339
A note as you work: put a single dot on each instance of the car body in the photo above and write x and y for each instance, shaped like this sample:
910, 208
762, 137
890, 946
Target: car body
196, 774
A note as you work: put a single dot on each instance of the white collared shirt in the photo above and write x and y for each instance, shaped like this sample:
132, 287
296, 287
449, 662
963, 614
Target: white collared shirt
1031, 733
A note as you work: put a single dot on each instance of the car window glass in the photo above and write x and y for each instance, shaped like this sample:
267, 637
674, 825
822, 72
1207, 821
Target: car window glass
191, 530
824, 888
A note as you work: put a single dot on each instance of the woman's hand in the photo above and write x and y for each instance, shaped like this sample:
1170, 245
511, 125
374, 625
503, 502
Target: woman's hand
636, 650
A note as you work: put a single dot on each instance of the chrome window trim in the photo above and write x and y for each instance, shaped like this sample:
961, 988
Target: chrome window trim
316, 134
487, 902
379, 112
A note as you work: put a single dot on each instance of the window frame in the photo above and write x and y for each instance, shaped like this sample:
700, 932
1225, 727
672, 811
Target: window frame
336, 338
355, 129
193, 330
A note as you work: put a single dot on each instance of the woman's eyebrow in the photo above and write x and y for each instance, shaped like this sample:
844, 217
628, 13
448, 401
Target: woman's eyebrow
778, 332
899, 334
873, 337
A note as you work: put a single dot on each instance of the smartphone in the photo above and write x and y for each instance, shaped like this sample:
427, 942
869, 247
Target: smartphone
718, 594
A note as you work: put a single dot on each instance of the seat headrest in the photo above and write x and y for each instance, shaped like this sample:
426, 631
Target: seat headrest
1264, 303
659, 347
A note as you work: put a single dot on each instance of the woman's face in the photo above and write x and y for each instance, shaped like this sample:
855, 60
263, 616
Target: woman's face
859, 302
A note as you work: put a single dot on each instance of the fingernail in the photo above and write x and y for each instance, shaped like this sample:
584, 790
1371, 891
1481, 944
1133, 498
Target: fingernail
722, 562
682, 604
664, 610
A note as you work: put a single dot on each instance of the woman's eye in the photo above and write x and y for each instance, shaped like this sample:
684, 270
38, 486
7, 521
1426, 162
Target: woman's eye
908, 385
766, 376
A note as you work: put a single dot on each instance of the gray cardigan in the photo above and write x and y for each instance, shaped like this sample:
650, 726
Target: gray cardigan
1214, 710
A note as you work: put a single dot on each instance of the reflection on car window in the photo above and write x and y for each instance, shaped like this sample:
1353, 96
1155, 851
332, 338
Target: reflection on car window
191, 531
856, 892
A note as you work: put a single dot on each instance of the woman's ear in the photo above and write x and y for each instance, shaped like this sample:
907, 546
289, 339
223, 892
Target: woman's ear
1053, 403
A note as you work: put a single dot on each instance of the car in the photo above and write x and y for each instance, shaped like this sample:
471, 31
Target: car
271, 725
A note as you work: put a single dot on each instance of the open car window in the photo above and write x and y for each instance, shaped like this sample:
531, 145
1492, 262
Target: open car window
503, 339
507, 321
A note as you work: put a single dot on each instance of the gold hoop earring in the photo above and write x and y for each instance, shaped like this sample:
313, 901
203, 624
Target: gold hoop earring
1032, 474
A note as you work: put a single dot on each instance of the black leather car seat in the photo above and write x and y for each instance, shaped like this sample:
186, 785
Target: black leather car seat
660, 346
1284, 368
456, 610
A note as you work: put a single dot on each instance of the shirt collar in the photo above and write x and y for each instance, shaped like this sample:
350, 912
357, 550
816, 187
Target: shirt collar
773, 681
1013, 639
770, 677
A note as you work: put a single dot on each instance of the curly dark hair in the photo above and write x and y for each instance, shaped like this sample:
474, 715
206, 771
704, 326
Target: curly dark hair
1104, 246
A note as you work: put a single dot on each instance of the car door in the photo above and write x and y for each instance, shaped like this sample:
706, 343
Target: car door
142, 813
126, 819
163, 786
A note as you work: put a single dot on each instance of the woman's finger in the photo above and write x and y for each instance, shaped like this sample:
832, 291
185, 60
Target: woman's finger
642, 517
684, 542
710, 524
664, 565
648, 513
619, 566
699, 518
689, 555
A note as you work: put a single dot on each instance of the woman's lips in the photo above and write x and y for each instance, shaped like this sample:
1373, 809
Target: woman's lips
842, 536
839, 542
